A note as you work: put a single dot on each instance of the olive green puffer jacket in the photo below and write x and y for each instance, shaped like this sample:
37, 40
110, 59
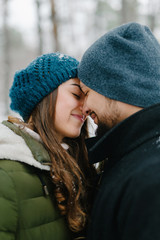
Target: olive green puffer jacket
27, 206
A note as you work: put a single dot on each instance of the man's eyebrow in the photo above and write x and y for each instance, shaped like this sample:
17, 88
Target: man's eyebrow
75, 84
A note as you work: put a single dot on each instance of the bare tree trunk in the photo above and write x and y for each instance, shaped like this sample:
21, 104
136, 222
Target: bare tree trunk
128, 11
124, 11
55, 25
39, 27
152, 21
153, 11
6, 56
71, 19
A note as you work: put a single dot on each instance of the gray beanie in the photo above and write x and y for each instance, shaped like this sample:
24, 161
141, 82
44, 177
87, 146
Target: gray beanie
124, 64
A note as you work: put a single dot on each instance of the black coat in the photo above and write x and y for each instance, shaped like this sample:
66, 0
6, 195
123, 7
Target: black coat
127, 205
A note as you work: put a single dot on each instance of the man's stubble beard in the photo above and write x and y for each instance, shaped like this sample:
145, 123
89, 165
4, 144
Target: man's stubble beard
106, 122
102, 128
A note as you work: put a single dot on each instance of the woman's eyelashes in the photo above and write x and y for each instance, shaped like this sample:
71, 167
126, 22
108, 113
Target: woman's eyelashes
77, 96
77, 92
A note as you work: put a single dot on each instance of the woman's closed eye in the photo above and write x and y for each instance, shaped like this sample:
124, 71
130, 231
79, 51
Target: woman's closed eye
77, 96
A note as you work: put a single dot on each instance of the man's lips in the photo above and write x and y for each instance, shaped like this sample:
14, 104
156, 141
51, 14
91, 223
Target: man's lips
79, 117
94, 117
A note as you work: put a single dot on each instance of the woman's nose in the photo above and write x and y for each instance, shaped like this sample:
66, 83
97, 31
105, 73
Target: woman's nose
85, 109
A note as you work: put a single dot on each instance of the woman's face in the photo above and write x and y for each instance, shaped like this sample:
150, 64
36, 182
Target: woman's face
68, 110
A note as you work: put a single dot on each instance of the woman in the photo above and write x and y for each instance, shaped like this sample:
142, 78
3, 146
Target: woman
45, 177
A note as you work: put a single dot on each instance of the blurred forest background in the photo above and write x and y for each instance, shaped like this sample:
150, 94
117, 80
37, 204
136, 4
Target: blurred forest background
33, 27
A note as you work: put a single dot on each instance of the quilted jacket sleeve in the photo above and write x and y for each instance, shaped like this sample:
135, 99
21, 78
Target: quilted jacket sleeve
8, 207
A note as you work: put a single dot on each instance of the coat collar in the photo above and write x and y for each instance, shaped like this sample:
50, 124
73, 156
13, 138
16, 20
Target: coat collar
19, 145
127, 135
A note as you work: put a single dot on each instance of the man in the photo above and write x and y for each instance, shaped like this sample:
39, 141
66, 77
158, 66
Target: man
120, 76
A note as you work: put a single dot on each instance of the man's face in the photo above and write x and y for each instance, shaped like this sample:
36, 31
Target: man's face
102, 110
105, 112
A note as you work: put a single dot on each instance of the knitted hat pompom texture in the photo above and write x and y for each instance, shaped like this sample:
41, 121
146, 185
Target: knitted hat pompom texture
38, 79
124, 64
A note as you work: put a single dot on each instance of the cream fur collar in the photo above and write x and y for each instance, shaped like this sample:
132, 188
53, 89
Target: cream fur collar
13, 147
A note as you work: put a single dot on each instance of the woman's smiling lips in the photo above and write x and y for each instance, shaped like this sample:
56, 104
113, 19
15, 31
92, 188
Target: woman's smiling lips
79, 117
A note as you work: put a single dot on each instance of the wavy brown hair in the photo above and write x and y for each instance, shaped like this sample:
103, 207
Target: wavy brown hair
71, 173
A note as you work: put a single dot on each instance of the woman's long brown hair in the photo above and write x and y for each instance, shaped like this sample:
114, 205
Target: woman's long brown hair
71, 173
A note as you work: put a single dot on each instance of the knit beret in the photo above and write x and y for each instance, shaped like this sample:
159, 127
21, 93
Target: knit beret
124, 64
38, 79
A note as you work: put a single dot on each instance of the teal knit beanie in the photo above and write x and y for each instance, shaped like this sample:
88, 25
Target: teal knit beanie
38, 79
124, 64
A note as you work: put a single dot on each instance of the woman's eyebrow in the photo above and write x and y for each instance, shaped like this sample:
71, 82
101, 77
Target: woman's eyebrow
75, 84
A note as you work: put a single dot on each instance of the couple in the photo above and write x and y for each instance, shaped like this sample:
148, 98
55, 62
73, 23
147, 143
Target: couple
47, 189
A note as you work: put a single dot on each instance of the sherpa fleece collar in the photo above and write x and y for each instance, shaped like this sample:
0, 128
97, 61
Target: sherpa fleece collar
19, 146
